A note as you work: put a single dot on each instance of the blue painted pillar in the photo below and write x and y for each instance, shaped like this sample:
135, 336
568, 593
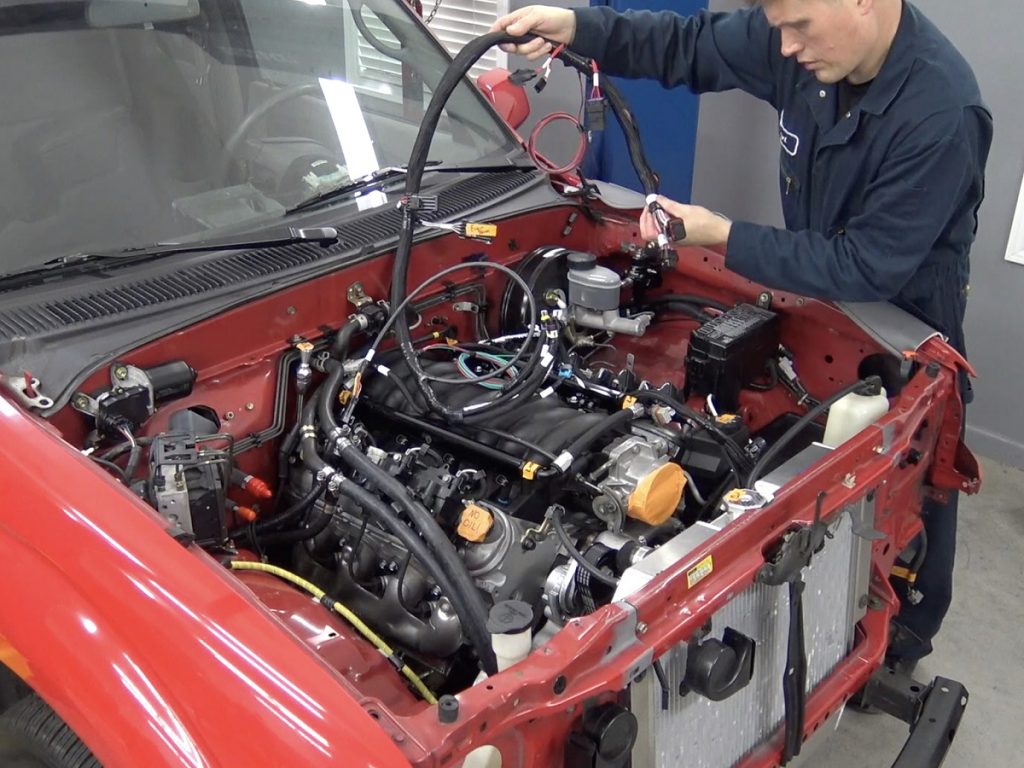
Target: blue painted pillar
667, 119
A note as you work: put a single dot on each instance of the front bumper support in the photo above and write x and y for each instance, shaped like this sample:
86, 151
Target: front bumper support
932, 711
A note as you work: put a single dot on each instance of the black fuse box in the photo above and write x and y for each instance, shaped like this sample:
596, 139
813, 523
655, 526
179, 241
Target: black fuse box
729, 352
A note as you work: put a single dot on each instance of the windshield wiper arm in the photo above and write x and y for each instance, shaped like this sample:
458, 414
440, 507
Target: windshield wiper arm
384, 174
322, 235
74, 261
363, 182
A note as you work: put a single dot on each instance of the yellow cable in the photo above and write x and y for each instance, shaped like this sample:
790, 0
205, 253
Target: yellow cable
355, 621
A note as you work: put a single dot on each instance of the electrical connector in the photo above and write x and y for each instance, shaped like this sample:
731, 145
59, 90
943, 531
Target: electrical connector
595, 114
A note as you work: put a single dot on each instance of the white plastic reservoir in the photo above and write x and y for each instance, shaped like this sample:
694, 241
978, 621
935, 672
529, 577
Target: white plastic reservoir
852, 414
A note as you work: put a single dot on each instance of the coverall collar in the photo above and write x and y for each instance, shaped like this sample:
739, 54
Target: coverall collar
886, 85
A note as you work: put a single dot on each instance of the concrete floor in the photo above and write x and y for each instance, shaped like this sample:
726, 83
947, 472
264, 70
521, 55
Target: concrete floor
980, 645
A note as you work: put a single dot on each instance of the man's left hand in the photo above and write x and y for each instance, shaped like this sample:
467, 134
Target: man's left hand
703, 227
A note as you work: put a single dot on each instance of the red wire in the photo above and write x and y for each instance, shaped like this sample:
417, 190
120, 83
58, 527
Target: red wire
543, 162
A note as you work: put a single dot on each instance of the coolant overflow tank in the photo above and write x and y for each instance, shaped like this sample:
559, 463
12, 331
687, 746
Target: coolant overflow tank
591, 286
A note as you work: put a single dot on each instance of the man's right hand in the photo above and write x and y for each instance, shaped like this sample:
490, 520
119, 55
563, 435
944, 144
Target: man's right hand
558, 24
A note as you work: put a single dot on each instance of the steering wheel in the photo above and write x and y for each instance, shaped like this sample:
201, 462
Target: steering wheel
257, 114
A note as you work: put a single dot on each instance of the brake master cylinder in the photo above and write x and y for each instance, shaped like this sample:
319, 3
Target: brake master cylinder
594, 294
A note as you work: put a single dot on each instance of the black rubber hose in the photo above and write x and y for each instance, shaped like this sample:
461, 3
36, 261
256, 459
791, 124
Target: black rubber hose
133, 461
403, 390
475, 631
414, 176
922, 552
307, 442
681, 306
457, 586
421, 148
687, 298
328, 395
284, 538
343, 339
611, 423
291, 440
575, 554
112, 467
475, 618
123, 448
484, 451
870, 384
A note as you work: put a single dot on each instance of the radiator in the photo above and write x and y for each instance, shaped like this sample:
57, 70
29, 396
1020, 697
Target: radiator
698, 733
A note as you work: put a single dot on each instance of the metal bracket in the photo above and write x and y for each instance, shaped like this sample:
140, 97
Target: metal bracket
357, 296
933, 712
85, 404
125, 376
26, 390
625, 638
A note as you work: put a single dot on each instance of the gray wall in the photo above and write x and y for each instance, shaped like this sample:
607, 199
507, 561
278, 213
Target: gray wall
736, 171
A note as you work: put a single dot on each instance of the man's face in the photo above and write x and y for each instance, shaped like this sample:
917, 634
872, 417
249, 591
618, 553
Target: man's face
828, 37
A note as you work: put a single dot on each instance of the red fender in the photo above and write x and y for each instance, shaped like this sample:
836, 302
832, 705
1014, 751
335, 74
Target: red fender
151, 652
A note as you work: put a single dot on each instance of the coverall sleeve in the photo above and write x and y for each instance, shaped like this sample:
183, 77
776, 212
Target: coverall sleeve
917, 193
707, 51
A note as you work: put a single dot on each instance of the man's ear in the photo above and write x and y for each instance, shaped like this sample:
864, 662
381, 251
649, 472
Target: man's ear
864, 7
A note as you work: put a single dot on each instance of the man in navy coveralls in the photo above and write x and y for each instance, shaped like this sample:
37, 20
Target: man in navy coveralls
883, 143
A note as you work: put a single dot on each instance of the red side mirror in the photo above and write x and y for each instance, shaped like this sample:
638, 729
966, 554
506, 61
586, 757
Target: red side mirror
508, 98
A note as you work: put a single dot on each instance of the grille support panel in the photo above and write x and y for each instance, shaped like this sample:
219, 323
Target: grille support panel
700, 733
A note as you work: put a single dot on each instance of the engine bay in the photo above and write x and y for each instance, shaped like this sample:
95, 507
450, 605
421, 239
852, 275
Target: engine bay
551, 422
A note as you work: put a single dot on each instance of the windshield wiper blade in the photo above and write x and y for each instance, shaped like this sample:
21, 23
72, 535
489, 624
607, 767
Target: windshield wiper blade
76, 262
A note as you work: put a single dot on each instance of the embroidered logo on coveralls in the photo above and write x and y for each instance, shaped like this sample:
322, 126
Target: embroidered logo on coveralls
789, 140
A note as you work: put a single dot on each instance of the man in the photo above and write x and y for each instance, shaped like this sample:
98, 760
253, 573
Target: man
884, 140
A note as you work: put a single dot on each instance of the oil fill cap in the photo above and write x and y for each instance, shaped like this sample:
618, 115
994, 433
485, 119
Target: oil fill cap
475, 523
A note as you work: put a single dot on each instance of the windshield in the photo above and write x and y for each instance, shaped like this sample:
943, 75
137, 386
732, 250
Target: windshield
126, 123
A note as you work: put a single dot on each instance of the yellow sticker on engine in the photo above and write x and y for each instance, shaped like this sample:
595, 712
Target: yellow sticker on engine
700, 571
475, 229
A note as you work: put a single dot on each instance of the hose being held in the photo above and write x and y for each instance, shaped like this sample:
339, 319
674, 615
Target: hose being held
411, 203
